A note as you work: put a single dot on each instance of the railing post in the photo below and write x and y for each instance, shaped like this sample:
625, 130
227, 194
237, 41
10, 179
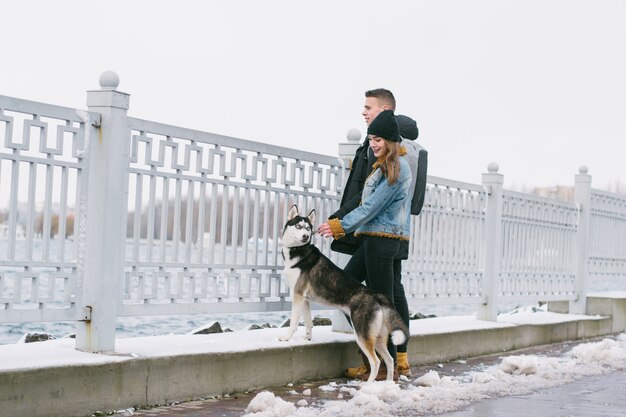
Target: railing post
492, 182
103, 243
582, 197
346, 152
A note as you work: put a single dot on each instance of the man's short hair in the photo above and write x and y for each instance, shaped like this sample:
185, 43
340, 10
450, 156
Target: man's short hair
385, 96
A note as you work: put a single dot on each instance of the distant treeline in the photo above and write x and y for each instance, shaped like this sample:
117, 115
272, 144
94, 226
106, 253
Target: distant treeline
54, 225
214, 229
217, 231
38, 227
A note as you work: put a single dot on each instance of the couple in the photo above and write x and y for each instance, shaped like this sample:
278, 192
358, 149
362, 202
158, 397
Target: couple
386, 185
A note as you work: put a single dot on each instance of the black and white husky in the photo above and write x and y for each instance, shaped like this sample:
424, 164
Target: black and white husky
313, 277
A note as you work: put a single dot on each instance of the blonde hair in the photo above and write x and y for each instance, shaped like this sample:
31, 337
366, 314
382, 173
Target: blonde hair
389, 163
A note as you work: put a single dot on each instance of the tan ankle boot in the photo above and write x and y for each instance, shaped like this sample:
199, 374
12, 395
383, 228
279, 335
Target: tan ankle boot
403, 364
364, 368
382, 374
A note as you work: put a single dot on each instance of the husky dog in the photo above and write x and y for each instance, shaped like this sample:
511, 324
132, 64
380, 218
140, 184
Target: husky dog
313, 277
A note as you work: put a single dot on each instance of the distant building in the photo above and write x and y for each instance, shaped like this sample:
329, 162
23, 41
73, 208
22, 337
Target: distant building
558, 192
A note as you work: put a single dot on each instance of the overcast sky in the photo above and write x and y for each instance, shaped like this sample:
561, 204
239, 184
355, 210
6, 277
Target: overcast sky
538, 86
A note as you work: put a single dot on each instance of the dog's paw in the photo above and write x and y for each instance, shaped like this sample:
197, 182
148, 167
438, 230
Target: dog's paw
309, 336
284, 338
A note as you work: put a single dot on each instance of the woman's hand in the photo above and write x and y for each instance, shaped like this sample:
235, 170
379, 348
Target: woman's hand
324, 230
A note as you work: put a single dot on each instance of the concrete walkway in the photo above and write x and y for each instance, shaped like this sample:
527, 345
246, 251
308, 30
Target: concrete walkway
594, 396
591, 396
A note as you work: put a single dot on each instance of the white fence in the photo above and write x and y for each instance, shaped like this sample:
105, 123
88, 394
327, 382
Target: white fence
104, 215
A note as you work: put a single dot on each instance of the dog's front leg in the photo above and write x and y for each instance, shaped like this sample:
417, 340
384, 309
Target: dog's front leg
296, 309
308, 321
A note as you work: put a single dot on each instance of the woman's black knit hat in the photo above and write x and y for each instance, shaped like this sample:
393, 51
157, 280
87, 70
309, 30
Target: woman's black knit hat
385, 126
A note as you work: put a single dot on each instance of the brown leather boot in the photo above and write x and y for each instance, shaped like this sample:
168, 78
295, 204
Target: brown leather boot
382, 374
359, 370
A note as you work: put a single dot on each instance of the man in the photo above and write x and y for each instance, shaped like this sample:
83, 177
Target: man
375, 102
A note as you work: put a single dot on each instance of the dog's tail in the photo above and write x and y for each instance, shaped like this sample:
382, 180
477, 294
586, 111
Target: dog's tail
398, 330
398, 337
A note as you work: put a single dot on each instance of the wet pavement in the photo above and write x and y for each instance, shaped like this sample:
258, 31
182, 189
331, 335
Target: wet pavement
597, 396
592, 396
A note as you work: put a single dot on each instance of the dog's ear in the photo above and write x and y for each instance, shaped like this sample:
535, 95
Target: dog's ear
293, 212
311, 216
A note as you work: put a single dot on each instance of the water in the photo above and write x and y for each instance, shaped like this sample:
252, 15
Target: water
150, 325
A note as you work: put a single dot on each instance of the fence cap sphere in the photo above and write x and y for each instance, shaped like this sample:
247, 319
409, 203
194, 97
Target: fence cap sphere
583, 169
109, 80
493, 168
353, 135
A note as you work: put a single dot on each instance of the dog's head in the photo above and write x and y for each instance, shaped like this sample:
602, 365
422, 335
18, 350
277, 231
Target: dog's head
298, 229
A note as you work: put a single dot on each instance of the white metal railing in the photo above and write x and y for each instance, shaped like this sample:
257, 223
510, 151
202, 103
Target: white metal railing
207, 214
607, 240
41, 169
103, 215
446, 248
539, 238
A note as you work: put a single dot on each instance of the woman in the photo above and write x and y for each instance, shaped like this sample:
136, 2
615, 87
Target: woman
382, 220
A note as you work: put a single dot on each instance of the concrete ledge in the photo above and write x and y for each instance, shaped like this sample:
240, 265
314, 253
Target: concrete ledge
463, 344
611, 304
53, 379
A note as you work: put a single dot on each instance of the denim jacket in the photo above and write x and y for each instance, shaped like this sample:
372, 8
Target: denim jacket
385, 209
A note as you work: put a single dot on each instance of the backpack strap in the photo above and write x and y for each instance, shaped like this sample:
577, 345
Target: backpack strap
419, 194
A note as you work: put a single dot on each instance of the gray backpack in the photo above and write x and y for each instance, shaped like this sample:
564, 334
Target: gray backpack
417, 156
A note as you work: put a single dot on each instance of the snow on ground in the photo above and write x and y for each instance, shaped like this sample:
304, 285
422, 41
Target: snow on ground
61, 352
430, 393
608, 294
538, 315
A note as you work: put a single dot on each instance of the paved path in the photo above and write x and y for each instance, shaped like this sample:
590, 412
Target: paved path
592, 396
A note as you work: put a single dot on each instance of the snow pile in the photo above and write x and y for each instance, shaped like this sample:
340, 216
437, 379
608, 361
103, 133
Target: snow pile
433, 394
608, 352
330, 387
266, 404
371, 400
429, 379
517, 365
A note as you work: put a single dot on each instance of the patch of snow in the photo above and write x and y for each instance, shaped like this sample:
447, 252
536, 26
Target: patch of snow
606, 350
61, 352
517, 365
429, 379
608, 294
266, 404
515, 375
